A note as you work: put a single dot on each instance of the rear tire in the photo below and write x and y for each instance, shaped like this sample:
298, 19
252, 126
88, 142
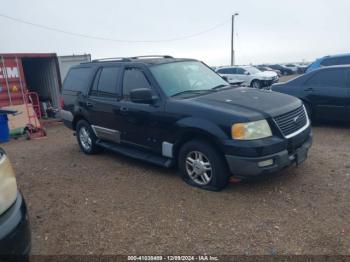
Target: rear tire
86, 138
202, 166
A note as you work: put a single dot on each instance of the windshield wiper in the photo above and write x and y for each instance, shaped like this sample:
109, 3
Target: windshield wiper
199, 91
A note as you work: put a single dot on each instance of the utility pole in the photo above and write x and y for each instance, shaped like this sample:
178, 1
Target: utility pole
232, 39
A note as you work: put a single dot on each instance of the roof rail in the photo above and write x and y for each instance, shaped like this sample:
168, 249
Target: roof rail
128, 59
151, 56
123, 59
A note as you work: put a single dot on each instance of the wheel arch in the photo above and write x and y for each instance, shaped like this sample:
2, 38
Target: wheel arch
190, 134
252, 81
76, 119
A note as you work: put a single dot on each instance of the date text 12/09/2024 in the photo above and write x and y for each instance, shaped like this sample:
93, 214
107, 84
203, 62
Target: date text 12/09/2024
173, 258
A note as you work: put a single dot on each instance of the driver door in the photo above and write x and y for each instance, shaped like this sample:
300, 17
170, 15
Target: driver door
140, 123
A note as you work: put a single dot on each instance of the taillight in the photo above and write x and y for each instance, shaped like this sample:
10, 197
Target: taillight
62, 102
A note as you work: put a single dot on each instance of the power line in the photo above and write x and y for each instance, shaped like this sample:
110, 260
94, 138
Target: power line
18, 20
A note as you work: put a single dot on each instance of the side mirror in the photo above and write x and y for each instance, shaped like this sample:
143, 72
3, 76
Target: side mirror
141, 96
246, 73
225, 78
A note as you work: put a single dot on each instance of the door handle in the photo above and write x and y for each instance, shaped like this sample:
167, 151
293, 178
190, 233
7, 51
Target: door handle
124, 109
89, 104
310, 89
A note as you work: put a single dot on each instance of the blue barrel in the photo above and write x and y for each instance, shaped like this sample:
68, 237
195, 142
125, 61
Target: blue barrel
4, 128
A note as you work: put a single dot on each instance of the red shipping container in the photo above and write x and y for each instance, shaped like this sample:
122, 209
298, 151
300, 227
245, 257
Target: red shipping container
20, 73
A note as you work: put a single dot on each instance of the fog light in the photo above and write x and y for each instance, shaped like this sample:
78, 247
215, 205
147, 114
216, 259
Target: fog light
265, 163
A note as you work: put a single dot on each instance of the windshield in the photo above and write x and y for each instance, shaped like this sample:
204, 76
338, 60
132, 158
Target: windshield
252, 70
183, 77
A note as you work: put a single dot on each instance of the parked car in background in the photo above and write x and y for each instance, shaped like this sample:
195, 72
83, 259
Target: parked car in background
284, 70
325, 92
341, 59
170, 111
266, 68
302, 68
249, 75
292, 67
14, 225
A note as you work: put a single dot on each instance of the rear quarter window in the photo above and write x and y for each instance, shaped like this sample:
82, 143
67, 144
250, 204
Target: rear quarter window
78, 79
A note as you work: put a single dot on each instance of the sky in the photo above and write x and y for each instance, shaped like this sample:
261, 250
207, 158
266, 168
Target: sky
267, 31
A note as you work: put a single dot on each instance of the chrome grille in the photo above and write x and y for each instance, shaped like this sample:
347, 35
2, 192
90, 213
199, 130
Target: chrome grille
292, 122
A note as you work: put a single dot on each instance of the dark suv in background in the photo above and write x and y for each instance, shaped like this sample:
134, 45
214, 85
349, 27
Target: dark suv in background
340, 59
171, 111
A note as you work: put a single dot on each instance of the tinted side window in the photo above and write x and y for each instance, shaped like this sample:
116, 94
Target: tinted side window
134, 79
108, 80
94, 89
344, 60
330, 61
334, 77
78, 79
240, 71
232, 71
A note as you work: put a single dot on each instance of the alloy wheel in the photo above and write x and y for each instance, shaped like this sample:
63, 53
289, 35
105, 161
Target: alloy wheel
85, 139
198, 168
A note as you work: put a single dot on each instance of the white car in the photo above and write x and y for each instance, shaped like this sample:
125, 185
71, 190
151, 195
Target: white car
248, 76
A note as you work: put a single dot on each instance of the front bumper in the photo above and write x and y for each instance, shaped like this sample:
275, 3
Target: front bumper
15, 237
246, 167
266, 83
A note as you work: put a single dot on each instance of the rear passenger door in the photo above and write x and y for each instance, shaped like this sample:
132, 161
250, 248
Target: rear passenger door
230, 74
328, 92
242, 75
102, 103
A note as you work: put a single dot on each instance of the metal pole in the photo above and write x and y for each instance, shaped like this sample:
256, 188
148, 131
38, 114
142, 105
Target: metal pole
233, 62
232, 39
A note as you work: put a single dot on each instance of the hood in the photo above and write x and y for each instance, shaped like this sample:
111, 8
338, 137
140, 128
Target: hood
249, 103
268, 74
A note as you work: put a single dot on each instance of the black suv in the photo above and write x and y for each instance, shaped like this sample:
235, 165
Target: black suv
171, 111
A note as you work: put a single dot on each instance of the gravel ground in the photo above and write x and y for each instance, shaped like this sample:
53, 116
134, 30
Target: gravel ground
109, 204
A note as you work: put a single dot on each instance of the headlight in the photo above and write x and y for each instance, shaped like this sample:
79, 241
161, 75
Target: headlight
8, 185
251, 130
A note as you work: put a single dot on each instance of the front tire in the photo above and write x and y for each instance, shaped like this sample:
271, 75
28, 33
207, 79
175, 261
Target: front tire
86, 138
202, 166
256, 84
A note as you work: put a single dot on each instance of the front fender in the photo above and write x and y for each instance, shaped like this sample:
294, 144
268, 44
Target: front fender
201, 125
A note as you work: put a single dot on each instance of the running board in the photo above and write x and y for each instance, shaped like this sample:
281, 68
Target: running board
137, 154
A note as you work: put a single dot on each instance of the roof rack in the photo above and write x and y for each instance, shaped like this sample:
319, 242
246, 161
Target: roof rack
123, 59
128, 59
151, 56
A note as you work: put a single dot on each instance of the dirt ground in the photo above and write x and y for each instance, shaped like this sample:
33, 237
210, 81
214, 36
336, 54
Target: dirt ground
288, 77
109, 204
